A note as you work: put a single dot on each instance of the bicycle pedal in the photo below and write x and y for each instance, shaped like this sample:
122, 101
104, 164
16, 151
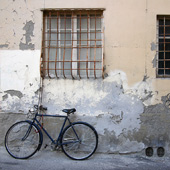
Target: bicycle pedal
53, 147
45, 146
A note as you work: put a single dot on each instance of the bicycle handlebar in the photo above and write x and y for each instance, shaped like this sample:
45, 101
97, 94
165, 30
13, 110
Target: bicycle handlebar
41, 107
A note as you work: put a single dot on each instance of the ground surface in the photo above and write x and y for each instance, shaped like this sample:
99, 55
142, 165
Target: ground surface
52, 160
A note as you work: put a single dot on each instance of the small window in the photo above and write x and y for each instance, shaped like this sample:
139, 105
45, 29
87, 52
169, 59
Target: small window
163, 65
72, 44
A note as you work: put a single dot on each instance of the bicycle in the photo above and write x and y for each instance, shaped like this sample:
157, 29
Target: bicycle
78, 140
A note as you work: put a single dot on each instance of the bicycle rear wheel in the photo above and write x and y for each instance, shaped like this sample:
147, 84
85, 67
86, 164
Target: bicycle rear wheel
22, 140
79, 141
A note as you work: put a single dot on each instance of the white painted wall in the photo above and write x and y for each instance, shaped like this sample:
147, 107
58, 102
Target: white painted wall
20, 72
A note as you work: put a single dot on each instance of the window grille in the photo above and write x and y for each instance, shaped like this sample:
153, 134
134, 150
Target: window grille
163, 53
72, 44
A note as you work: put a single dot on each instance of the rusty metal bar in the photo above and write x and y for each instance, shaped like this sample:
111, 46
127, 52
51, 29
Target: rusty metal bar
72, 16
79, 47
72, 61
95, 50
76, 47
49, 45
72, 69
74, 32
64, 45
164, 46
87, 45
102, 31
76, 17
42, 49
57, 46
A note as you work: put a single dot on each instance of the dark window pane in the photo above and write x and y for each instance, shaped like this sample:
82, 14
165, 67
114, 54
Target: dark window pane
167, 31
161, 55
161, 22
167, 64
167, 72
161, 64
167, 22
167, 55
161, 31
167, 44
161, 47
167, 47
160, 71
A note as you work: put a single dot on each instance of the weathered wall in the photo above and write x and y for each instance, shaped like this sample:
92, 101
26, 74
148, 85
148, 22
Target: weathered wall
127, 107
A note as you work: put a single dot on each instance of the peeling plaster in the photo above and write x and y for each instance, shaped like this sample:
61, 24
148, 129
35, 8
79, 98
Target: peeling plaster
153, 46
117, 111
14, 93
105, 100
4, 45
29, 28
154, 62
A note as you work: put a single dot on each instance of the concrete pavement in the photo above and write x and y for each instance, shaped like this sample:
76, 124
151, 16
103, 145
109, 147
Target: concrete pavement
56, 160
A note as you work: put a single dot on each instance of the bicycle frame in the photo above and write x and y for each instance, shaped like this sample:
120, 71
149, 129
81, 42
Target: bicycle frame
56, 142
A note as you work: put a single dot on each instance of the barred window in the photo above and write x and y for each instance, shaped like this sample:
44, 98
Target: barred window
163, 64
72, 44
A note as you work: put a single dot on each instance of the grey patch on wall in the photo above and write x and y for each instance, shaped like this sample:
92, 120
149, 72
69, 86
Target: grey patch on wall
4, 97
154, 124
153, 46
154, 61
13, 93
29, 28
4, 45
145, 78
110, 142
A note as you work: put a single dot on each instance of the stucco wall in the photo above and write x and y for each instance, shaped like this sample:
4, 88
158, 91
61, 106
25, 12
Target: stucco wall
127, 107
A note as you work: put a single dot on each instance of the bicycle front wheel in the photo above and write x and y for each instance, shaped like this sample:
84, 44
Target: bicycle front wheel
79, 141
22, 140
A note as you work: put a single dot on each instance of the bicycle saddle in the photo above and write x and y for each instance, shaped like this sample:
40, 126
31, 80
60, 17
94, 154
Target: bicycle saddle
68, 111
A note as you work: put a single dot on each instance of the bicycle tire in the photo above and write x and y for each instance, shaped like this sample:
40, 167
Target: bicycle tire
23, 139
84, 147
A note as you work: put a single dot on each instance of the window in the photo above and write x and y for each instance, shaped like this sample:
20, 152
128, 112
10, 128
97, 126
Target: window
72, 44
163, 65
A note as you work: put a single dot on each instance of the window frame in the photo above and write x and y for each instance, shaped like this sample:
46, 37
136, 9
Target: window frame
162, 37
76, 48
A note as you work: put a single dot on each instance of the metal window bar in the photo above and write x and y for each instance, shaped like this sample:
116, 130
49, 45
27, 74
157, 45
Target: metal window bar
50, 44
57, 45
79, 47
95, 50
87, 52
64, 43
163, 44
72, 16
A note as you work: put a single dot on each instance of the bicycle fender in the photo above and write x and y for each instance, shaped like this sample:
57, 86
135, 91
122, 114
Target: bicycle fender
40, 132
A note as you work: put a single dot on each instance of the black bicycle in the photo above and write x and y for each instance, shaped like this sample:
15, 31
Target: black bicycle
78, 140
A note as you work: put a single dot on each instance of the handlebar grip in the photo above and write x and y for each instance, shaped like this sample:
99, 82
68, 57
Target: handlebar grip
40, 107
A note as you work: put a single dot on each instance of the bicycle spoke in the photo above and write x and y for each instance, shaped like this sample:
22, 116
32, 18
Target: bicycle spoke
21, 140
87, 141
